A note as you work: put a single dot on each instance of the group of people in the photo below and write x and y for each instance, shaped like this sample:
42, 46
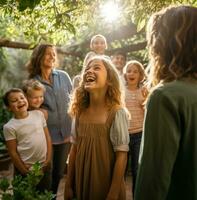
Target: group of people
107, 113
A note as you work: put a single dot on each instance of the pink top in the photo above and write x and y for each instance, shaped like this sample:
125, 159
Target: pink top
134, 100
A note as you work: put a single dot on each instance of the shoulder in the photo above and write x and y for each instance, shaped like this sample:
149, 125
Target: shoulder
61, 73
90, 53
175, 93
121, 113
174, 89
8, 124
36, 113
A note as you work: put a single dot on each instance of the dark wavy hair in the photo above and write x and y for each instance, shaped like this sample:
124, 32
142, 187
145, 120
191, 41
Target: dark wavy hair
34, 65
172, 42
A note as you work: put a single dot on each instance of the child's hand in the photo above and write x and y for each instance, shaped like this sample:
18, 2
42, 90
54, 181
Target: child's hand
46, 166
144, 92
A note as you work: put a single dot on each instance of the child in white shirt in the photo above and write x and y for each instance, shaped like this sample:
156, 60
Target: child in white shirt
27, 137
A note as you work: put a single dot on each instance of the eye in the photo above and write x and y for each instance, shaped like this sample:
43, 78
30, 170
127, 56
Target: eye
13, 100
96, 68
86, 69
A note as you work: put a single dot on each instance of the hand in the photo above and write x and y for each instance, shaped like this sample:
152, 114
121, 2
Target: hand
144, 92
46, 166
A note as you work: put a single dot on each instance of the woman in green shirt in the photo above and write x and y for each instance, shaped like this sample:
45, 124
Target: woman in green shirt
168, 156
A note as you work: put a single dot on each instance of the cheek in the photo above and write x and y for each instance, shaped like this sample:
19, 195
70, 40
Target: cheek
31, 101
41, 100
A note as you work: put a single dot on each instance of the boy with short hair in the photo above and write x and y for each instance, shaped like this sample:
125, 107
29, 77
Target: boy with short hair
119, 59
27, 137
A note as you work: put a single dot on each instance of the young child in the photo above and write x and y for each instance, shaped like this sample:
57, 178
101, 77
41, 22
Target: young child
98, 45
99, 155
27, 137
135, 96
168, 156
119, 60
34, 91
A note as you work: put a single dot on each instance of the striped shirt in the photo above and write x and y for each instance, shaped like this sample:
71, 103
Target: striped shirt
134, 100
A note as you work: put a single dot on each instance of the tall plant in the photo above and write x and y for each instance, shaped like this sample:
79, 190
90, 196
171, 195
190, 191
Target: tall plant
4, 117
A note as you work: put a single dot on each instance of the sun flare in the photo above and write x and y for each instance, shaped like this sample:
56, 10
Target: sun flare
110, 11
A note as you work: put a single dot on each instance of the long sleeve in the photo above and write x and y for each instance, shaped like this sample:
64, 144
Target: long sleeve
160, 144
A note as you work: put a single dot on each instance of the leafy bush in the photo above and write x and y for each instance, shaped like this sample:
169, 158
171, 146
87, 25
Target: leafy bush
4, 117
24, 188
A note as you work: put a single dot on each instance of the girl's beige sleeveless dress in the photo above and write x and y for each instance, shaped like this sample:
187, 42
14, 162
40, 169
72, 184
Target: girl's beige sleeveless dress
95, 160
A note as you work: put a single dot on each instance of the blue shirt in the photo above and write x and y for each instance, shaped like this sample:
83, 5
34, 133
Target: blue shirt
56, 100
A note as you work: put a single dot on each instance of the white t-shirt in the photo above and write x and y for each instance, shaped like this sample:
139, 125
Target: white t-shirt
30, 136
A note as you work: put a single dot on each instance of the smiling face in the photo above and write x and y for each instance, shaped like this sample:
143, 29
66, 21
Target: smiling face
98, 45
49, 58
132, 75
119, 61
17, 103
95, 76
35, 98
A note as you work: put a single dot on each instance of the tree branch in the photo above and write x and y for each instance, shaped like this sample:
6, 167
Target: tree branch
15, 45
130, 48
20, 45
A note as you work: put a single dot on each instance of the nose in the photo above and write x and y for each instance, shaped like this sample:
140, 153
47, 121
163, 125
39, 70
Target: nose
89, 70
52, 56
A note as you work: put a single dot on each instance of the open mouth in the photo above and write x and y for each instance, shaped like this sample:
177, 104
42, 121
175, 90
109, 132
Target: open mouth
21, 106
90, 79
131, 79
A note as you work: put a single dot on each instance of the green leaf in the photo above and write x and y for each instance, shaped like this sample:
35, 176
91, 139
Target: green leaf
4, 184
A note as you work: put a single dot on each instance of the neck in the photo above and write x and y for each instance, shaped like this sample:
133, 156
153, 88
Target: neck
132, 87
45, 74
21, 115
97, 100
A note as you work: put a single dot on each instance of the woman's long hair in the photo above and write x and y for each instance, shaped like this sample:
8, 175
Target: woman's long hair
172, 42
34, 65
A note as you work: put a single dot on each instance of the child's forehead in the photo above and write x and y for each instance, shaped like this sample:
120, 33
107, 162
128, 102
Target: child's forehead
95, 62
15, 94
33, 90
133, 66
119, 56
98, 38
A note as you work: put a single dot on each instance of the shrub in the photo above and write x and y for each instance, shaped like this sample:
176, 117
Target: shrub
24, 188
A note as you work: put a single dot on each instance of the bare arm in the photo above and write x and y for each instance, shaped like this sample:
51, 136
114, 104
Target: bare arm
18, 163
49, 147
44, 111
118, 175
68, 194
